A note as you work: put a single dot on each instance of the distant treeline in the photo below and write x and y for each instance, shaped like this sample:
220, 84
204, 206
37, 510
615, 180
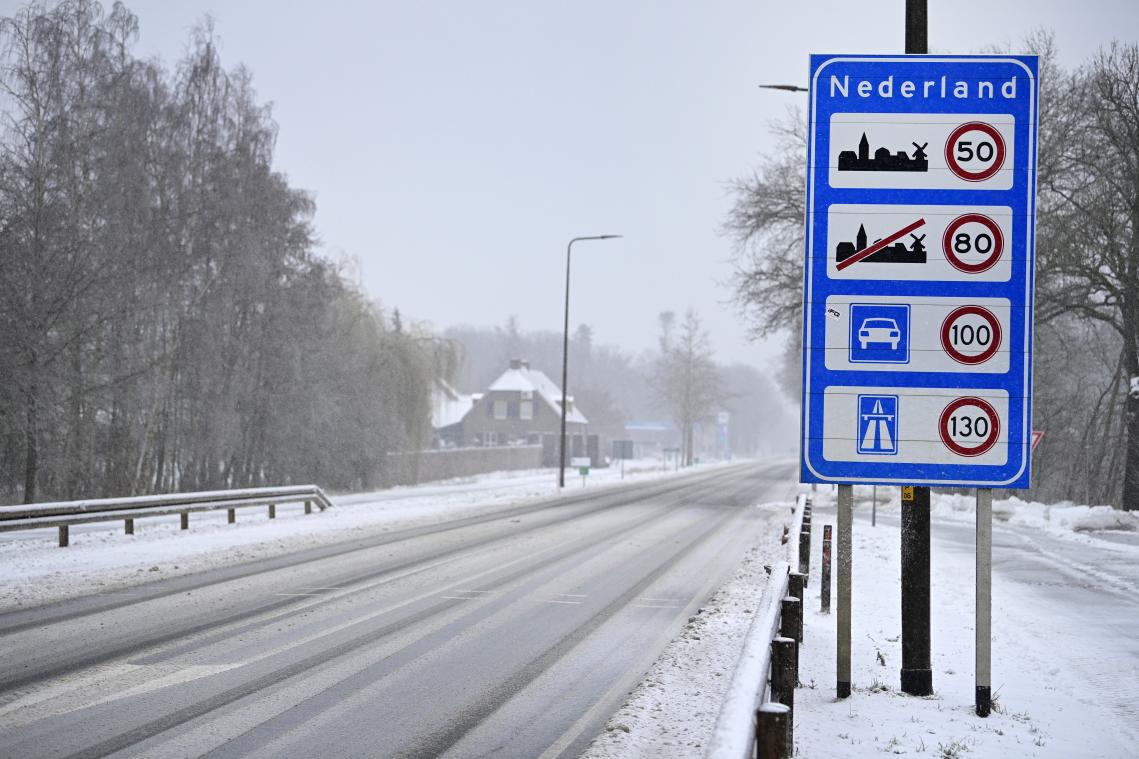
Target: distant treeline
164, 321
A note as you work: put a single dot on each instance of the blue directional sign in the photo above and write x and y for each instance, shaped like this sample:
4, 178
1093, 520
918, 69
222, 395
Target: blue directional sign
917, 336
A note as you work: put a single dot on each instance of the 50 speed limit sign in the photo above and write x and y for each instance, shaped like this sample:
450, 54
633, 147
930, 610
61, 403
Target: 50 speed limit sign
917, 340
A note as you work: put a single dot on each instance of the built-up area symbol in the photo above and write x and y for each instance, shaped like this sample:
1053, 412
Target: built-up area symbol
887, 250
883, 159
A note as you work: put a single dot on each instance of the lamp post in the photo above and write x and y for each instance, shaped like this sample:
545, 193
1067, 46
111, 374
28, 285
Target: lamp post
565, 353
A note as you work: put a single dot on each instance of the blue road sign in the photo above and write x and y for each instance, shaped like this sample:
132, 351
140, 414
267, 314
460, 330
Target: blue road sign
917, 336
879, 333
878, 424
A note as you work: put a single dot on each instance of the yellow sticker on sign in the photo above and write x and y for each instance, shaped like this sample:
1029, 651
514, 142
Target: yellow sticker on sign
907, 492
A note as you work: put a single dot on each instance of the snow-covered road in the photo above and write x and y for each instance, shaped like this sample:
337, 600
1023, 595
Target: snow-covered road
518, 630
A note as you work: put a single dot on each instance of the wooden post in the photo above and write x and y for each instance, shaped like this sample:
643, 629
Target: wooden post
63, 536
185, 515
825, 590
790, 614
231, 516
784, 673
128, 525
272, 511
308, 507
771, 721
796, 584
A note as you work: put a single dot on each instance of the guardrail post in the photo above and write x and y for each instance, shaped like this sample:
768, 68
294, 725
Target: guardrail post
796, 583
308, 507
805, 549
128, 526
63, 536
231, 516
790, 616
771, 741
185, 515
784, 672
272, 511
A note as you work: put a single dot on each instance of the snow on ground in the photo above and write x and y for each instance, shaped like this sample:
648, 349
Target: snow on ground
1047, 695
672, 712
34, 570
1050, 701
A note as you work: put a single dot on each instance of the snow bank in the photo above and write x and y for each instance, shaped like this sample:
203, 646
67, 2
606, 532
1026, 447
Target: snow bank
1059, 518
674, 709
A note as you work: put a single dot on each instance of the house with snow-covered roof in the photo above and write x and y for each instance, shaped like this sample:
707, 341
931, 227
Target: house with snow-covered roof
523, 406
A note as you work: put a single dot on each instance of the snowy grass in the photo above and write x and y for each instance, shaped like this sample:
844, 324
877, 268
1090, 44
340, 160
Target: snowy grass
1044, 702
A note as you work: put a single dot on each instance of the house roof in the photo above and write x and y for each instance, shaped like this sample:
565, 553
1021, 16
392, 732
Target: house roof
523, 379
448, 405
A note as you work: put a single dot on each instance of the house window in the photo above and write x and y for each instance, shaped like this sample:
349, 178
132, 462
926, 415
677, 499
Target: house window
500, 409
526, 410
490, 438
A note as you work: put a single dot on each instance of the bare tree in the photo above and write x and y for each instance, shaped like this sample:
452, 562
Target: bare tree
685, 377
1090, 214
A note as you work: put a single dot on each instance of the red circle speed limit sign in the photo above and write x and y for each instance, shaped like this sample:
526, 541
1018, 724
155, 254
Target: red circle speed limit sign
975, 151
971, 335
969, 426
972, 243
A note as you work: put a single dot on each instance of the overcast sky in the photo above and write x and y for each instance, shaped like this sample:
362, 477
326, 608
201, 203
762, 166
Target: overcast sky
455, 146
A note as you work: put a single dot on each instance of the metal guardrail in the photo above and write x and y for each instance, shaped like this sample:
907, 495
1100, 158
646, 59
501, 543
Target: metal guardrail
63, 514
756, 717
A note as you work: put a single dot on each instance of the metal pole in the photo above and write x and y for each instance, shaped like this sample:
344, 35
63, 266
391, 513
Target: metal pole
845, 563
917, 676
984, 601
874, 508
565, 369
917, 27
565, 353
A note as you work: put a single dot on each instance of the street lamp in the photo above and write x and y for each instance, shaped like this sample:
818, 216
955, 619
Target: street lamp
565, 354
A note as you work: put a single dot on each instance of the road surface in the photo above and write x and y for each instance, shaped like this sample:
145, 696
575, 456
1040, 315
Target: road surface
514, 634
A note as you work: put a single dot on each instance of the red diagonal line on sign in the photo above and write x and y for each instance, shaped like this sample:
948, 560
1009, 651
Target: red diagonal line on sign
872, 249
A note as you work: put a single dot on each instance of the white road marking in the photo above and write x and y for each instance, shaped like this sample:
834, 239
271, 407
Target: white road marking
556, 601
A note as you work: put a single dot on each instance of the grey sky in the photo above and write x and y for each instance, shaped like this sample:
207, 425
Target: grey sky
454, 147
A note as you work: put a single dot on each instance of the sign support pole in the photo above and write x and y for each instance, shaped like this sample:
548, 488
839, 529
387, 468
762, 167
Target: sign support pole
917, 675
845, 545
984, 600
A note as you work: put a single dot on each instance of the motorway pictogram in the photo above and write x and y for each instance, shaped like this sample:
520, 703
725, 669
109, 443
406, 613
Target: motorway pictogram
878, 424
